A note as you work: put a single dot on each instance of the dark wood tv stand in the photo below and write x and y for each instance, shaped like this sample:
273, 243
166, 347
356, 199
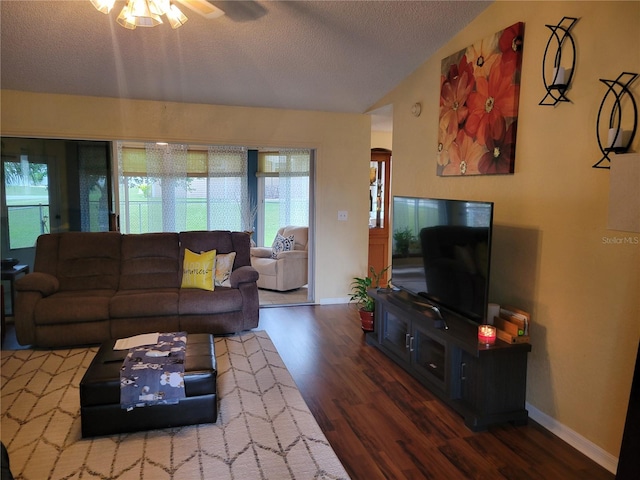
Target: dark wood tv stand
485, 384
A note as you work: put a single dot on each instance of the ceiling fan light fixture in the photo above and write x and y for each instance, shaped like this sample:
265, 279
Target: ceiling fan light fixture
126, 19
103, 6
160, 7
176, 17
148, 13
150, 21
203, 8
143, 13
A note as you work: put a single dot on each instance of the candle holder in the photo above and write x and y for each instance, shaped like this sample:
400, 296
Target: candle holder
616, 141
486, 334
559, 83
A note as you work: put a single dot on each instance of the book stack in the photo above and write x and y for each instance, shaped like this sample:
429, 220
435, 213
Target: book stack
512, 325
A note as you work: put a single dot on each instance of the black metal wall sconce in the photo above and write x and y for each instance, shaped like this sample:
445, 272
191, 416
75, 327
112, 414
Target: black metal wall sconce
561, 77
618, 140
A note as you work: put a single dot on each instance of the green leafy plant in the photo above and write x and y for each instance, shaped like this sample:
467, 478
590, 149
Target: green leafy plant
359, 287
403, 239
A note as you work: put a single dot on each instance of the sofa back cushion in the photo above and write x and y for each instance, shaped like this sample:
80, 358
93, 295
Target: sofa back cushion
150, 260
46, 260
242, 246
85, 260
222, 241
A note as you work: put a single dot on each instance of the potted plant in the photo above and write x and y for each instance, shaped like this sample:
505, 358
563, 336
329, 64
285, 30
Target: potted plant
359, 295
403, 239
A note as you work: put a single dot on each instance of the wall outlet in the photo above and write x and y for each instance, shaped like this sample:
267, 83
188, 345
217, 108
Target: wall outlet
343, 215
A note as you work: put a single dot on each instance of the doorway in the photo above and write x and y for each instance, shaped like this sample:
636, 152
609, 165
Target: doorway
284, 198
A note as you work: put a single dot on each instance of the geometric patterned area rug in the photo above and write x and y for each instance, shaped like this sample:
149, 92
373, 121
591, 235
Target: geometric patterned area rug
264, 429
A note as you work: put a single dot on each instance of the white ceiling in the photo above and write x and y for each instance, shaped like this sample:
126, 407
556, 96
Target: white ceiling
337, 56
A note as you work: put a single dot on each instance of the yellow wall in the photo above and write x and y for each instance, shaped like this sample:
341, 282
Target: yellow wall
381, 139
342, 142
551, 254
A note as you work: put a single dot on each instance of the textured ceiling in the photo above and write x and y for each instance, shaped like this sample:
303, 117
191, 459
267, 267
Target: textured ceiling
338, 56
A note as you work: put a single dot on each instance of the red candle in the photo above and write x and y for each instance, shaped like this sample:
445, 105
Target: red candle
486, 334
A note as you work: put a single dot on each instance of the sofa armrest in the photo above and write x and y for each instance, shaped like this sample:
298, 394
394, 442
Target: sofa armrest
245, 279
43, 283
261, 252
244, 274
30, 289
292, 254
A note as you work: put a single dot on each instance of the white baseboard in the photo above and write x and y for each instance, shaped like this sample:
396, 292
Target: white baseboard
591, 450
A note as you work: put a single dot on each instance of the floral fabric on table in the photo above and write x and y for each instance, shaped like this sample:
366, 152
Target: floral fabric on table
154, 374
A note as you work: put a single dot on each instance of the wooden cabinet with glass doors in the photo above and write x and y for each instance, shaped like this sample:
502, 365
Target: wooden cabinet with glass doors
379, 182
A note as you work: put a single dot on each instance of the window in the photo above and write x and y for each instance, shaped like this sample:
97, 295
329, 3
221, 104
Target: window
27, 199
177, 188
182, 187
283, 190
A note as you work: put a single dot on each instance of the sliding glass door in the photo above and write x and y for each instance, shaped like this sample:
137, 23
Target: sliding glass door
51, 186
283, 191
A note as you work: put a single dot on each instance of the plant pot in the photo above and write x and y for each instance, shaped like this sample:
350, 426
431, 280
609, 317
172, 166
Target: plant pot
366, 319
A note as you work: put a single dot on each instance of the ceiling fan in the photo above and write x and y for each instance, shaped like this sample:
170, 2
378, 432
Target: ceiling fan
147, 13
203, 7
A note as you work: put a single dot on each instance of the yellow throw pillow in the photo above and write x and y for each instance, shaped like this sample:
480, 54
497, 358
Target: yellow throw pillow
198, 270
224, 267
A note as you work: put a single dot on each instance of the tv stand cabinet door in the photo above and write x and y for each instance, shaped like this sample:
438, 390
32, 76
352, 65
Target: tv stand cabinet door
395, 332
493, 387
430, 357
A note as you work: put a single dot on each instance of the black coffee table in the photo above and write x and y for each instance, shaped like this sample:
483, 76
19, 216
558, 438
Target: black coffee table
100, 409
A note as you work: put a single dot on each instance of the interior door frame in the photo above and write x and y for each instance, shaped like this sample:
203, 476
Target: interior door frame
260, 220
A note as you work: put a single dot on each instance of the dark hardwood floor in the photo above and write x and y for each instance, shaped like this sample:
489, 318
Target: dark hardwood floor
383, 424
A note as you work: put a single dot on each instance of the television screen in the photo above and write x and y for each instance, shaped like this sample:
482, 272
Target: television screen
441, 251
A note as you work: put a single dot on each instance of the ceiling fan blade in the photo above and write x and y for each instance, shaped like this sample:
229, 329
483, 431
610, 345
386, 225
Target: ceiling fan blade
203, 7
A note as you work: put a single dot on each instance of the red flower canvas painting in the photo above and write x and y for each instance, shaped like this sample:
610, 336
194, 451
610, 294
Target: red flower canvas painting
478, 119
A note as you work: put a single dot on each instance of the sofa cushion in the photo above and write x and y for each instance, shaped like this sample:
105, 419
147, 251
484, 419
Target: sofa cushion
144, 303
282, 244
204, 241
150, 260
198, 270
223, 241
300, 235
47, 248
78, 306
224, 267
88, 260
202, 302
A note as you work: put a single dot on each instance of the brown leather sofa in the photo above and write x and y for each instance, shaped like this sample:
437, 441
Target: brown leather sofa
89, 287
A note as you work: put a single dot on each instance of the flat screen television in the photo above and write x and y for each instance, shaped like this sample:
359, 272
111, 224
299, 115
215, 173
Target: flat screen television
441, 252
